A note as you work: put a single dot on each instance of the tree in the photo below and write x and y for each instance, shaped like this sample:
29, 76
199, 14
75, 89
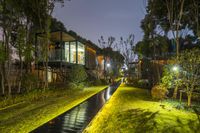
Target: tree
143, 49
2, 60
106, 45
33, 17
7, 21
128, 49
21, 50
196, 8
57, 25
190, 71
175, 16
175, 19
185, 74
164, 17
171, 78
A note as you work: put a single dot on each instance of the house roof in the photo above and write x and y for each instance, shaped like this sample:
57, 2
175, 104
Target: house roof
64, 36
58, 35
92, 45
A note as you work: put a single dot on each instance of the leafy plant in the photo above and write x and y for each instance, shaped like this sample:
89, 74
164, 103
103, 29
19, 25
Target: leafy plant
29, 81
190, 72
168, 77
159, 92
77, 74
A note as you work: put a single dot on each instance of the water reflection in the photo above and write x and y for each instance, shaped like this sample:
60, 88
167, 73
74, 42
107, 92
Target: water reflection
76, 119
108, 94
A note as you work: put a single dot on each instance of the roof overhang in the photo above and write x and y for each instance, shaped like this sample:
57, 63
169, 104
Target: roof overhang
61, 36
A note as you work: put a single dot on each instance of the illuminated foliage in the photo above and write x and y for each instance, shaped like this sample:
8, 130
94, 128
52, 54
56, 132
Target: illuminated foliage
132, 110
159, 92
187, 74
190, 71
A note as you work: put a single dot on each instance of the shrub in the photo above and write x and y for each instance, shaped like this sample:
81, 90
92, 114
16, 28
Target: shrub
81, 86
131, 80
77, 74
159, 92
92, 80
29, 81
97, 82
142, 83
72, 85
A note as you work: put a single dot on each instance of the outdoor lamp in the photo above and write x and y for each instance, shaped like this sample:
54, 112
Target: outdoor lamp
108, 65
175, 68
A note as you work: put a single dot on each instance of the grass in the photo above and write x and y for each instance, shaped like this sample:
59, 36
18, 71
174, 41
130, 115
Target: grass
132, 110
26, 116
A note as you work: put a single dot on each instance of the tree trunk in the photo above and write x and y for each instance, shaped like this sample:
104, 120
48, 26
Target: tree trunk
46, 66
2, 81
177, 45
8, 79
175, 92
8, 64
189, 99
20, 74
158, 71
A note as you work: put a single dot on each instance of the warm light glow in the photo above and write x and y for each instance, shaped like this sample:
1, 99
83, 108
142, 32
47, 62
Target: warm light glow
91, 50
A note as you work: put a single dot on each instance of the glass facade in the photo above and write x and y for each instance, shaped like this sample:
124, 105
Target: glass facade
81, 53
72, 52
66, 52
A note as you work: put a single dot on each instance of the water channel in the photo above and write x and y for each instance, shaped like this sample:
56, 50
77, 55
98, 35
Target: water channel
76, 119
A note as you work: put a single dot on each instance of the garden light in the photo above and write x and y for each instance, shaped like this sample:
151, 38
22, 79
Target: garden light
108, 65
175, 68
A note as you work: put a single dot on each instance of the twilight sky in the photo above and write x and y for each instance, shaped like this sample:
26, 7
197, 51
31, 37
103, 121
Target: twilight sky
94, 18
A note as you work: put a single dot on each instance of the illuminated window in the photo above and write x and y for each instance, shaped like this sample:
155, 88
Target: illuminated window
81, 53
66, 52
72, 52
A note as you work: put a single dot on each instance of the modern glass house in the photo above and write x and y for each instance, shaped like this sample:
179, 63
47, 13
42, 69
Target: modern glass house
65, 49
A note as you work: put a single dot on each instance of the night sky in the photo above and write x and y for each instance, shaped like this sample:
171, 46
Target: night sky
94, 18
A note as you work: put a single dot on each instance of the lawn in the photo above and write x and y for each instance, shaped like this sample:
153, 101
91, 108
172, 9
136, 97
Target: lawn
132, 110
28, 115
